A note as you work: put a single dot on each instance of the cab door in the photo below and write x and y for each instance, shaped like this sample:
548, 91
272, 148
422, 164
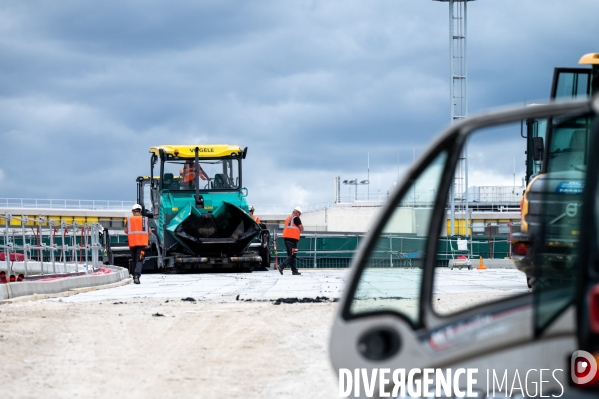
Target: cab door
390, 315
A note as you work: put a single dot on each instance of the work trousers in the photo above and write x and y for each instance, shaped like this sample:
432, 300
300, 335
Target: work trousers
291, 253
137, 260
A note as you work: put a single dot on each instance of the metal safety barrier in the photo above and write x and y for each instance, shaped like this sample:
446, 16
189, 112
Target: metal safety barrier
47, 246
36, 203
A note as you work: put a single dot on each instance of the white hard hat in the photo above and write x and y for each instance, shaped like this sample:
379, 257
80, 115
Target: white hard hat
297, 208
136, 207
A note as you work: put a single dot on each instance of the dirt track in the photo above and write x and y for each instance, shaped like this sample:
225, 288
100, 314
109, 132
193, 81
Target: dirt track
206, 349
91, 346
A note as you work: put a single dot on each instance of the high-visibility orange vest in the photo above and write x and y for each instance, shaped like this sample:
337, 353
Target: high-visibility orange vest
256, 218
291, 230
189, 173
137, 231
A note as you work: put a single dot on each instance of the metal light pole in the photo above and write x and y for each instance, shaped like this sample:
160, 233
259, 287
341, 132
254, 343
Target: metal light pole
458, 97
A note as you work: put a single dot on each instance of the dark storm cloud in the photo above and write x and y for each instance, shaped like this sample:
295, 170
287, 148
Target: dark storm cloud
311, 87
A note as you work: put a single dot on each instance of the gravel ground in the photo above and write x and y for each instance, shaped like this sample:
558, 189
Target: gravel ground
146, 342
202, 349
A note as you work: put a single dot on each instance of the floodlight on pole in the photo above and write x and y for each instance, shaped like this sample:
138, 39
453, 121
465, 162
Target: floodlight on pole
356, 183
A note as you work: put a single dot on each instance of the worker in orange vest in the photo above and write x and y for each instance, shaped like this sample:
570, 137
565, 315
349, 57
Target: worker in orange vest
189, 173
256, 218
137, 234
291, 236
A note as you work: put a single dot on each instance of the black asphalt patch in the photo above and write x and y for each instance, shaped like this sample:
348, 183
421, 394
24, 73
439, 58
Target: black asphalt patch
318, 299
188, 299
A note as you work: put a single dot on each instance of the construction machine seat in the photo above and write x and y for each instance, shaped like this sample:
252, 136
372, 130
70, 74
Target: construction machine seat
220, 181
169, 183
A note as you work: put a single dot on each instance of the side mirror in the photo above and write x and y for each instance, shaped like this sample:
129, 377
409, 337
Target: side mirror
537, 148
245, 152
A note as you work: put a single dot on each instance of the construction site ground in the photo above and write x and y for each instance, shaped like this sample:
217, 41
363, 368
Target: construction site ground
194, 336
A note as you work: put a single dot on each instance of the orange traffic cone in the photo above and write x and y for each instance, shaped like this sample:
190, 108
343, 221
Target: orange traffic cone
481, 265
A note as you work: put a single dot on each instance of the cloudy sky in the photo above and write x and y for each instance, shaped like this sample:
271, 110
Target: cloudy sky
311, 87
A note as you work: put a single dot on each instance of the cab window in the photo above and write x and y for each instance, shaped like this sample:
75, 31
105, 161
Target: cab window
568, 146
486, 215
391, 272
220, 174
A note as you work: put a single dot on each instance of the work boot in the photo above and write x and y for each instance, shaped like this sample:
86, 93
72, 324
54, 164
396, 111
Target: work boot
280, 269
296, 273
136, 279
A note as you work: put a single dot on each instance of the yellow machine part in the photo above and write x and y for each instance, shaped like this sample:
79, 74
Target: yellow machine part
589, 59
524, 210
205, 151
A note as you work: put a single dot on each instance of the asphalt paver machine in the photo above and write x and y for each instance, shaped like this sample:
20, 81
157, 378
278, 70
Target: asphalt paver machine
197, 207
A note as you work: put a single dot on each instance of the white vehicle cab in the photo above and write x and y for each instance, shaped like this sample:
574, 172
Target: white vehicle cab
480, 335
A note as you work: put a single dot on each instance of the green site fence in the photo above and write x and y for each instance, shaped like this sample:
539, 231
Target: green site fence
337, 251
